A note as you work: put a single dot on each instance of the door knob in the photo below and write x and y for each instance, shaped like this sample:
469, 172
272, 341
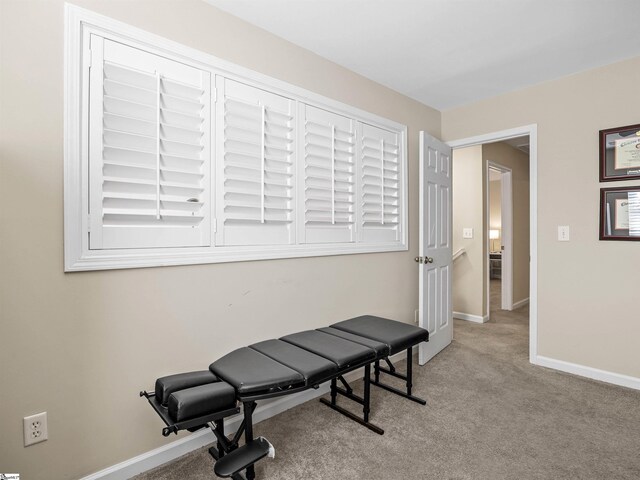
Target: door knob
423, 259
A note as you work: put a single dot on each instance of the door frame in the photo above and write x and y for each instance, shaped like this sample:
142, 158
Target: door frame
506, 239
532, 131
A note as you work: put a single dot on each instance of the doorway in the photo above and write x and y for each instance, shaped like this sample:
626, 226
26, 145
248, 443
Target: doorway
499, 233
508, 135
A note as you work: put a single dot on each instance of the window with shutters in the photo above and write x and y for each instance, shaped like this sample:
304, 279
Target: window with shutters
328, 177
175, 157
255, 170
149, 150
380, 185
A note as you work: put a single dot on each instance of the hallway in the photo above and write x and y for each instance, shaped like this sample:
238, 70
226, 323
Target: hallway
519, 316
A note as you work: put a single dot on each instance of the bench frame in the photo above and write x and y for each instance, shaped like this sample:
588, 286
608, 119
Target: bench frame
226, 445
407, 377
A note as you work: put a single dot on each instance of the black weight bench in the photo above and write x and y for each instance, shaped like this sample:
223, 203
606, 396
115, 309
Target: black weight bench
278, 367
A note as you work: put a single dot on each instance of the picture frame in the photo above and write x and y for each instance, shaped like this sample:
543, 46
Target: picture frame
620, 213
620, 153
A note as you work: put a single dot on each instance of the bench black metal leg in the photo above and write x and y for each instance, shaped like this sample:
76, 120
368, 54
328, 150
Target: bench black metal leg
367, 392
220, 435
248, 433
376, 370
408, 378
348, 393
224, 445
334, 391
409, 369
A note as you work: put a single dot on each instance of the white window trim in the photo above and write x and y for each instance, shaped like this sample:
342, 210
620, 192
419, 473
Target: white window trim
79, 23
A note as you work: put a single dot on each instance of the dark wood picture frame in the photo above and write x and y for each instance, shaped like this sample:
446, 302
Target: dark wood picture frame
608, 172
608, 221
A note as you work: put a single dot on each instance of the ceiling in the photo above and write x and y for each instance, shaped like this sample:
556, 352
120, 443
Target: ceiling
447, 53
521, 143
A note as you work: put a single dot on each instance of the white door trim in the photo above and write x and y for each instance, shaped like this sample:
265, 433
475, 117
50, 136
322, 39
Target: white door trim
532, 131
506, 240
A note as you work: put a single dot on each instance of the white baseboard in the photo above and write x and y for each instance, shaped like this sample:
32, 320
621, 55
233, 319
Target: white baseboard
589, 372
471, 318
520, 303
173, 450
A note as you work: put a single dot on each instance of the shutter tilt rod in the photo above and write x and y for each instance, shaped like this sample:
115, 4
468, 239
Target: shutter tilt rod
333, 174
382, 181
158, 146
262, 146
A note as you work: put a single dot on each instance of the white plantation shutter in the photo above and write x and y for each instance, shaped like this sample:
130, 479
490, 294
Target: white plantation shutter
255, 166
380, 185
328, 177
149, 140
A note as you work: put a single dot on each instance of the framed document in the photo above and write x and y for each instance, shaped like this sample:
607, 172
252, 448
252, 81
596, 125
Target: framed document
620, 213
620, 153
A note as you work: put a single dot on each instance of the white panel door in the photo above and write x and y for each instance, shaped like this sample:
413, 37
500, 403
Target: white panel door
435, 260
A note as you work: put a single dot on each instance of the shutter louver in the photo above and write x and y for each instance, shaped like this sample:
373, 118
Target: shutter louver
255, 180
149, 149
329, 177
380, 177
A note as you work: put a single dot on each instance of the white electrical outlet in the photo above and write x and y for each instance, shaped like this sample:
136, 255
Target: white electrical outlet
563, 233
467, 233
35, 428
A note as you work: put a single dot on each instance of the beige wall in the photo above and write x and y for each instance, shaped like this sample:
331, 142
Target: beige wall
469, 269
81, 345
587, 305
518, 162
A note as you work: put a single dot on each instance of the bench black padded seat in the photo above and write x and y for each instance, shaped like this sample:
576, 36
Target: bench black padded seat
312, 367
165, 386
397, 335
381, 349
189, 401
344, 353
251, 372
198, 401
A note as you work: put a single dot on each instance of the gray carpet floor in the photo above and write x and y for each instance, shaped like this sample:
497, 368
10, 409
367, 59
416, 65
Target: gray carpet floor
490, 415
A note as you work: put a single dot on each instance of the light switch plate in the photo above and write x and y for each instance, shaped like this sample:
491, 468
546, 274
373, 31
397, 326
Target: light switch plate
467, 233
563, 233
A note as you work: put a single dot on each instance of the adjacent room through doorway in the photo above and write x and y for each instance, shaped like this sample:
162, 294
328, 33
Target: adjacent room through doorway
491, 230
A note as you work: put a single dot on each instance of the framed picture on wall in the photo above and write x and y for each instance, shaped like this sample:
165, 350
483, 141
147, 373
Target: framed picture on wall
620, 213
620, 153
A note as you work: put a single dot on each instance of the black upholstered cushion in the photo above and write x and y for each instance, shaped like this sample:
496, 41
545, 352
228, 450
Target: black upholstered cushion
382, 349
250, 371
165, 386
340, 351
311, 366
202, 400
399, 336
